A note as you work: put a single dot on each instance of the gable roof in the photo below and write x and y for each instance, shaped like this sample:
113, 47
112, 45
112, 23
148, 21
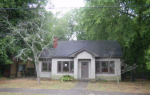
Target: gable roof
84, 49
67, 48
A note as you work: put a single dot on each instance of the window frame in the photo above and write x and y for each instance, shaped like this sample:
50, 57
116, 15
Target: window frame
49, 64
108, 67
62, 65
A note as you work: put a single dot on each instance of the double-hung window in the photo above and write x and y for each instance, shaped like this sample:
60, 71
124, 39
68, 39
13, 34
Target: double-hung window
106, 67
65, 66
46, 66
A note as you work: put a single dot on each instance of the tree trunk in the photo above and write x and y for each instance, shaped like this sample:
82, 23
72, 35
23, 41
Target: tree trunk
132, 76
37, 71
17, 67
117, 79
38, 76
117, 76
38, 80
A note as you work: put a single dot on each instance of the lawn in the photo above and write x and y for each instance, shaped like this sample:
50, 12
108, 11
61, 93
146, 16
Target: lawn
30, 83
5, 93
131, 87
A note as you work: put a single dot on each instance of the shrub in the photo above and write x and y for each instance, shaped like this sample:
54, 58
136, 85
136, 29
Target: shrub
67, 78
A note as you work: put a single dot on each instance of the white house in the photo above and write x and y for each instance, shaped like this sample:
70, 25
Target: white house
82, 59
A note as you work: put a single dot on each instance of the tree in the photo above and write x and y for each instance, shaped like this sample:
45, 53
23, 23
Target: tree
64, 27
14, 16
148, 58
130, 26
36, 37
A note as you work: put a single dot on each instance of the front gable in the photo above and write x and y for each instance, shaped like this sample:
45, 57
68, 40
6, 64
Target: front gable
84, 53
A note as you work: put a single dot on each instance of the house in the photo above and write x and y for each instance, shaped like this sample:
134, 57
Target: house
82, 60
17, 69
21, 69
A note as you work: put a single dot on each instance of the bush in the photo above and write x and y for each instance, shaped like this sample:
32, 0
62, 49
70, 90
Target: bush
67, 78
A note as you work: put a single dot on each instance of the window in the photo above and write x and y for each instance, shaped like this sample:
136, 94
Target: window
71, 67
21, 68
97, 66
105, 67
112, 66
59, 66
65, 67
46, 67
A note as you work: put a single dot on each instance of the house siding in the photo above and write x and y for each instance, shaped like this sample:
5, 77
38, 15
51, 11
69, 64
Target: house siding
43, 74
82, 57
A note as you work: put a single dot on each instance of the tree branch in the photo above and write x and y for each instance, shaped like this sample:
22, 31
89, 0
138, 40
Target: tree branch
126, 13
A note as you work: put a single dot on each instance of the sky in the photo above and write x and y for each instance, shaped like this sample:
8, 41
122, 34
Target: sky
64, 3
68, 3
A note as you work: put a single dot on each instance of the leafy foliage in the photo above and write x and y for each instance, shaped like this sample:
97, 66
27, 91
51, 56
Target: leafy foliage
148, 58
130, 26
64, 27
36, 36
9, 45
67, 78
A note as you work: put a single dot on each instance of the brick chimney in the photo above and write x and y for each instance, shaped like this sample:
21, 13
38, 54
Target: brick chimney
55, 43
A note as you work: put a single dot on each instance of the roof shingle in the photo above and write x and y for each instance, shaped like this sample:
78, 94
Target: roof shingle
66, 48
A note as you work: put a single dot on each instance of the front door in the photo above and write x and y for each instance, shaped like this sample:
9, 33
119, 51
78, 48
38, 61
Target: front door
84, 70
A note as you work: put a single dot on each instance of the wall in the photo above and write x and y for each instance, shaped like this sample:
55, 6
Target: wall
13, 69
110, 76
83, 56
55, 74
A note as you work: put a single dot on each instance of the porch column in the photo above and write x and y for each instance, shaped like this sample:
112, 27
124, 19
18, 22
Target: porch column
75, 68
93, 68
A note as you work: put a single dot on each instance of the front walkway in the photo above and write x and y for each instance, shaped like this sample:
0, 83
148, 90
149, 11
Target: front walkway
81, 86
79, 89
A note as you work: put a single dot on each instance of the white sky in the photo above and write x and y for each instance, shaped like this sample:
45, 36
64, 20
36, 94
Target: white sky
64, 3
68, 3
